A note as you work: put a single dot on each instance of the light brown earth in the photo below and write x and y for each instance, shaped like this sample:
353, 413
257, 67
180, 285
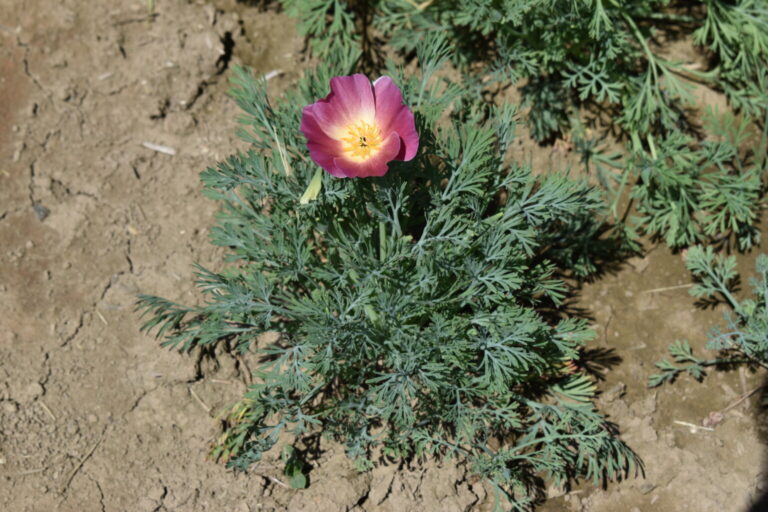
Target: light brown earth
94, 416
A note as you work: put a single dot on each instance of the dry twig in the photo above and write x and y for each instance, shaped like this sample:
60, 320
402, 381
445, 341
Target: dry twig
98, 313
82, 461
668, 288
47, 410
159, 148
277, 481
741, 399
692, 427
200, 401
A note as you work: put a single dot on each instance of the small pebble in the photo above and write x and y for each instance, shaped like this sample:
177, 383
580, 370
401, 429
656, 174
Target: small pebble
92, 418
41, 211
10, 407
30, 244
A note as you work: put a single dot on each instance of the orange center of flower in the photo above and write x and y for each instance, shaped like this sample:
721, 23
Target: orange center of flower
362, 141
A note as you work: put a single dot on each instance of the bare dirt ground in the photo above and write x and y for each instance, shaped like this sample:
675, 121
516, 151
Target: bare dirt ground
95, 416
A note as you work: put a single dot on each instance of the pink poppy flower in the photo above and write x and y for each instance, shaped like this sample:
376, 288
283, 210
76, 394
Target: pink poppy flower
360, 127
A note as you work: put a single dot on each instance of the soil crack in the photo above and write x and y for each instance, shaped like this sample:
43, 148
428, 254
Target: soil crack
222, 64
128, 255
228, 42
161, 506
72, 336
363, 498
141, 397
388, 491
29, 74
101, 491
10, 212
59, 185
48, 372
92, 308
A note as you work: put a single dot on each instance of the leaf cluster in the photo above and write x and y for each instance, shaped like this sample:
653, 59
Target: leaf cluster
690, 192
409, 309
744, 337
600, 52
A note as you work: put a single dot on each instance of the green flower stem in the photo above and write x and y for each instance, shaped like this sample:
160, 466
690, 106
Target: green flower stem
382, 240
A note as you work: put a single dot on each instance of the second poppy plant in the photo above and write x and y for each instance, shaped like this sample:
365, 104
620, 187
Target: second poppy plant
360, 127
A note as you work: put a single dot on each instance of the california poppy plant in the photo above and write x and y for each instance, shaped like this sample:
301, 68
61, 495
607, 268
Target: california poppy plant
360, 127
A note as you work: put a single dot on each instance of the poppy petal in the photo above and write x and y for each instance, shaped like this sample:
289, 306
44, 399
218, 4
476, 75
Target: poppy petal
353, 97
393, 115
376, 165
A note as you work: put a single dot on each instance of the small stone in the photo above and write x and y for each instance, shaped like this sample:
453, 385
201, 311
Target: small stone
30, 244
10, 407
41, 211
2, 459
647, 487
92, 418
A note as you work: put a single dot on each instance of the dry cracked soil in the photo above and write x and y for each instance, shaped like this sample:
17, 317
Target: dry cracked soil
95, 416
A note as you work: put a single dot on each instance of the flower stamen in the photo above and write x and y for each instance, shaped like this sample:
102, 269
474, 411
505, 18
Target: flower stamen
363, 140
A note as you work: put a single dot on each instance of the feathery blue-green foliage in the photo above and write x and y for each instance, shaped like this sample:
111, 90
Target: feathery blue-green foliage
744, 338
689, 192
686, 191
603, 53
416, 313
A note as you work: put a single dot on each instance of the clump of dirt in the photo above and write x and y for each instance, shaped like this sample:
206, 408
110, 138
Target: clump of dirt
95, 416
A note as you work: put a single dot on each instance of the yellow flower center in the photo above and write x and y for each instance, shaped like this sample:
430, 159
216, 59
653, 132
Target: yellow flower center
362, 141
